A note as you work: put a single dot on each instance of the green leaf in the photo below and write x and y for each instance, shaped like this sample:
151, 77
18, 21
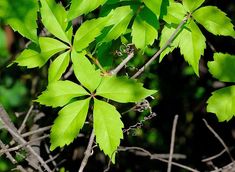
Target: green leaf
175, 13
21, 15
120, 20
223, 67
59, 93
122, 89
85, 72
58, 67
54, 19
143, 33
79, 7
214, 20
31, 57
88, 31
154, 6
34, 57
108, 127
192, 45
222, 103
69, 122
190, 5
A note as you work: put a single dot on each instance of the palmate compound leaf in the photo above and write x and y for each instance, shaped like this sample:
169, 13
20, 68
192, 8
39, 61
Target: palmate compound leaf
120, 19
58, 67
79, 7
214, 20
59, 93
69, 122
175, 13
84, 71
222, 103
144, 32
34, 57
108, 127
192, 45
23, 20
88, 31
122, 89
223, 67
54, 18
190, 5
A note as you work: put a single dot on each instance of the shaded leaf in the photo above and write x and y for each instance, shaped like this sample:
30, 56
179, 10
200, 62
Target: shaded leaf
23, 19
223, 67
59, 93
85, 72
108, 127
69, 122
122, 89
222, 103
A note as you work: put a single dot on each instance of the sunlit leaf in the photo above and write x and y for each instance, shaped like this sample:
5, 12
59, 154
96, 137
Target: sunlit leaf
85, 72
59, 93
122, 89
58, 67
222, 103
191, 5
175, 13
223, 67
108, 127
214, 20
68, 124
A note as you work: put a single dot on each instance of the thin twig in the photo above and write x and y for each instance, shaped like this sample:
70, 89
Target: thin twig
87, 152
147, 153
25, 119
172, 142
122, 64
214, 156
36, 131
9, 126
219, 138
9, 156
169, 41
23, 145
51, 157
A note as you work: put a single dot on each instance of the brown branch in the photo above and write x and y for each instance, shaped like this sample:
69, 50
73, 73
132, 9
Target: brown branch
87, 152
9, 156
36, 131
9, 126
169, 41
172, 142
218, 138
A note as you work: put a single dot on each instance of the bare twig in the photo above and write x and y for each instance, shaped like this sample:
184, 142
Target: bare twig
51, 157
172, 142
9, 156
122, 64
23, 145
69, 73
8, 125
25, 119
219, 138
214, 156
147, 153
36, 131
169, 41
87, 152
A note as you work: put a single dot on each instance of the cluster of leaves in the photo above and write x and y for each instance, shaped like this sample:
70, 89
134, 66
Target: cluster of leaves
134, 21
